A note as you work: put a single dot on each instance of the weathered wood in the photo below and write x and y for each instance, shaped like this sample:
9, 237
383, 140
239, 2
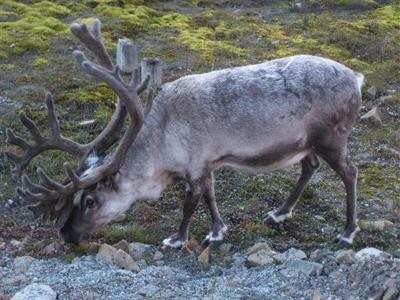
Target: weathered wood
126, 55
154, 67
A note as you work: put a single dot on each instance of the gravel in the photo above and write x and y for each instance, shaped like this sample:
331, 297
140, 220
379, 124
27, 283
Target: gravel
183, 277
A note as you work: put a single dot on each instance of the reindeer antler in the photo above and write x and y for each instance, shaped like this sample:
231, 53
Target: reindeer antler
41, 143
53, 199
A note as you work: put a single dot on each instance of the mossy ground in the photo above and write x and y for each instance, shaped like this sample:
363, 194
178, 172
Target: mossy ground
199, 36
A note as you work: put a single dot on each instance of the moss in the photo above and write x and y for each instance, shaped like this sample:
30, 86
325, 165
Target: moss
379, 183
174, 21
120, 3
88, 93
203, 40
129, 18
342, 3
40, 63
34, 28
8, 67
114, 233
49, 9
386, 18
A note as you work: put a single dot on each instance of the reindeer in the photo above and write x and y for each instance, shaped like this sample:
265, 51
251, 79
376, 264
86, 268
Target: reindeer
260, 117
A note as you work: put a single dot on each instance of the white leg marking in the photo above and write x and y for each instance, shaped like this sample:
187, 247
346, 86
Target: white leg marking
219, 237
280, 218
349, 239
177, 244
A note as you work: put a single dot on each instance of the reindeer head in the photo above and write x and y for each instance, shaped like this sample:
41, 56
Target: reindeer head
77, 204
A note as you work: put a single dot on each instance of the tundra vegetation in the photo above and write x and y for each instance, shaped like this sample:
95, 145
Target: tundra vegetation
199, 36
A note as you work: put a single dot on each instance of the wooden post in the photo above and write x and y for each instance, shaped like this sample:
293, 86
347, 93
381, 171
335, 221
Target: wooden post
126, 55
154, 67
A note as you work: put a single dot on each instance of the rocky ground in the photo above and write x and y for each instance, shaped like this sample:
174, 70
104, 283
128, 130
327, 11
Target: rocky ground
141, 271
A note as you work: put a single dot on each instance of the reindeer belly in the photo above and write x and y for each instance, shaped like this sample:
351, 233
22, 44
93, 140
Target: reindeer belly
261, 162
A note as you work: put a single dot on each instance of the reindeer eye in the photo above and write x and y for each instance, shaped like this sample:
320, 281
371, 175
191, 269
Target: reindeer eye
90, 202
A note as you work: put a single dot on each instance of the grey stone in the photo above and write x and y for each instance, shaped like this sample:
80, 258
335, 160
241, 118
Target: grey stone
148, 291
378, 225
371, 253
374, 114
225, 248
238, 259
158, 255
317, 295
16, 243
321, 255
346, 256
125, 261
260, 258
122, 244
294, 254
36, 292
382, 99
391, 293
257, 247
204, 256
51, 249
396, 253
139, 251
306, 267
22, 263
371, 92
106, 253
279, 258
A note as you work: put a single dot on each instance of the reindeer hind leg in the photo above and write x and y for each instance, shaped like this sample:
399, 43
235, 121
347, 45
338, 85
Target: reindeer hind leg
216, 234
309, 165
337, 158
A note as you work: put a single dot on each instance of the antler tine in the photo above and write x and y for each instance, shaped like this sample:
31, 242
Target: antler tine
113, 79
28, 184
49, 183
144, 84
40, 143
72, 175
55, 127
15, 140
31, 126
93, 41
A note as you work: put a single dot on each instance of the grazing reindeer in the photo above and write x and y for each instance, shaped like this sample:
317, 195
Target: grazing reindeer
259, 117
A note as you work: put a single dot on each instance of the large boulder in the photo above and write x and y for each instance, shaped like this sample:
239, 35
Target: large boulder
371, 254
36, 292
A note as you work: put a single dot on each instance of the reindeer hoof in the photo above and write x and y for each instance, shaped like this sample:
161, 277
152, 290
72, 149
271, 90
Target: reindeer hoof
174, 242
345, 240
273, 218
214, 238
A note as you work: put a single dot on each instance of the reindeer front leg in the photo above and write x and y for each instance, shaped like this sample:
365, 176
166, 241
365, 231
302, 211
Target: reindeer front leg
192, 199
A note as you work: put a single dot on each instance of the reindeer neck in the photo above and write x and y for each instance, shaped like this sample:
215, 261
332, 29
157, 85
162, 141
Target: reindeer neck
144, 171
